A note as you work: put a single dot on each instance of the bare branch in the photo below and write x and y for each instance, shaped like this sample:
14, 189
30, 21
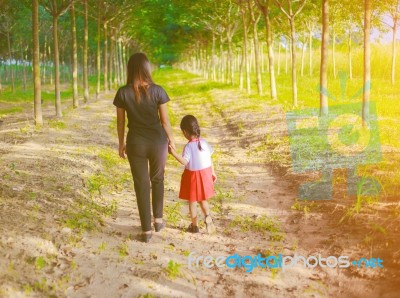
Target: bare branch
279, 4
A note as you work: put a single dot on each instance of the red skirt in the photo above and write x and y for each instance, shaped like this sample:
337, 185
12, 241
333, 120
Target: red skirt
197, 185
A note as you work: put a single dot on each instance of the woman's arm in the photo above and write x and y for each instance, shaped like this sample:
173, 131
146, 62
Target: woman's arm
121, 131
163, 112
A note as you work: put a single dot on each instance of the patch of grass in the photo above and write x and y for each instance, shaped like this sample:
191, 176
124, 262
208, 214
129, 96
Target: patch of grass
83, 220
57, 124
9, 111
173, 214
173, 119
305, 207
40, 263
123, 249
186, 252
256, 224
95, 182
173, 270
109, 157
88, 215
147, 295
113, 126
102, 246
220, 199
74, 265
27, 289
41, 285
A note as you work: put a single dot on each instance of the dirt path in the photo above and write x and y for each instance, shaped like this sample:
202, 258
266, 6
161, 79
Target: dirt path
69, 219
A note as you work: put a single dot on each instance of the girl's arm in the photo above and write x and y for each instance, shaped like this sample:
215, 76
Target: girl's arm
163, 112
213, 172
121, 131
177, 156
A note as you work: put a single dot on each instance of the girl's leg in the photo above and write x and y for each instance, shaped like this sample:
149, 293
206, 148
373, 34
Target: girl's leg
193, 212
204, 207
206, 211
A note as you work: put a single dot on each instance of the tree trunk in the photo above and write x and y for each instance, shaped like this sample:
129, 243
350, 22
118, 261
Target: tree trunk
221, 57
125, 61
257, 61
214, 74
56, 67
350, 57
311, 53
115, 60
44, 59
394, 50
286, 56
334, 52
271, 62
294, 74
245, 56
111, 62
324, 59
256, 48
279, 57
262, 57
98, 49
303, 53
121, 63
252, 57
37, 103
241, 70
74, 60
51, 70
367, 60
85, 54
105, 72
230, 61
1, 87
62, 68
11, 64
23, 60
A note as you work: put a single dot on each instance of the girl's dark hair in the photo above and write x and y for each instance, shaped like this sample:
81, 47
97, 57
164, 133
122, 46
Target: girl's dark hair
139, 74
190, 125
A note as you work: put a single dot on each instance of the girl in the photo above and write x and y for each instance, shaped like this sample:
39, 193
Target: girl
197, 182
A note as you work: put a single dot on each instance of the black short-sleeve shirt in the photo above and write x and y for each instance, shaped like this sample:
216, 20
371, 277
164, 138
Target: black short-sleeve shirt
144, 125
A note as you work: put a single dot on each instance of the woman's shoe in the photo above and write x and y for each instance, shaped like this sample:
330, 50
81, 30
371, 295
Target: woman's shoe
209, 224
158, 226
192, 229
145, 237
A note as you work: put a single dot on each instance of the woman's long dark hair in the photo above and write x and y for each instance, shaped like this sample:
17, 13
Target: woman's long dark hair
139, 74
190, 125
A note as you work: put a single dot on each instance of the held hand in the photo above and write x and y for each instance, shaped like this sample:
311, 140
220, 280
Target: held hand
171, 150
214, 177
122, 151
171, 144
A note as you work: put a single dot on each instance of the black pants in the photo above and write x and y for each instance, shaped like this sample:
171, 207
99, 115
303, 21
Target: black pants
141, 158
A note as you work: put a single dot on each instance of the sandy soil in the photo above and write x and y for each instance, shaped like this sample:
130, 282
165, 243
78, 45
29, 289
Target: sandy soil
44, 183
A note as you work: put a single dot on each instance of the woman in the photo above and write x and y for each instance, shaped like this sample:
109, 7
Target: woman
149, 133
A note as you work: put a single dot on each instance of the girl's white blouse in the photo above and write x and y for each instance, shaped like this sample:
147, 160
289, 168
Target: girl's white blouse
197, 159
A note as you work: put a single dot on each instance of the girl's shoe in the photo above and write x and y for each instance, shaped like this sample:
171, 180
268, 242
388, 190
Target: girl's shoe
210, 225
192, 228
158, 226
145, 237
